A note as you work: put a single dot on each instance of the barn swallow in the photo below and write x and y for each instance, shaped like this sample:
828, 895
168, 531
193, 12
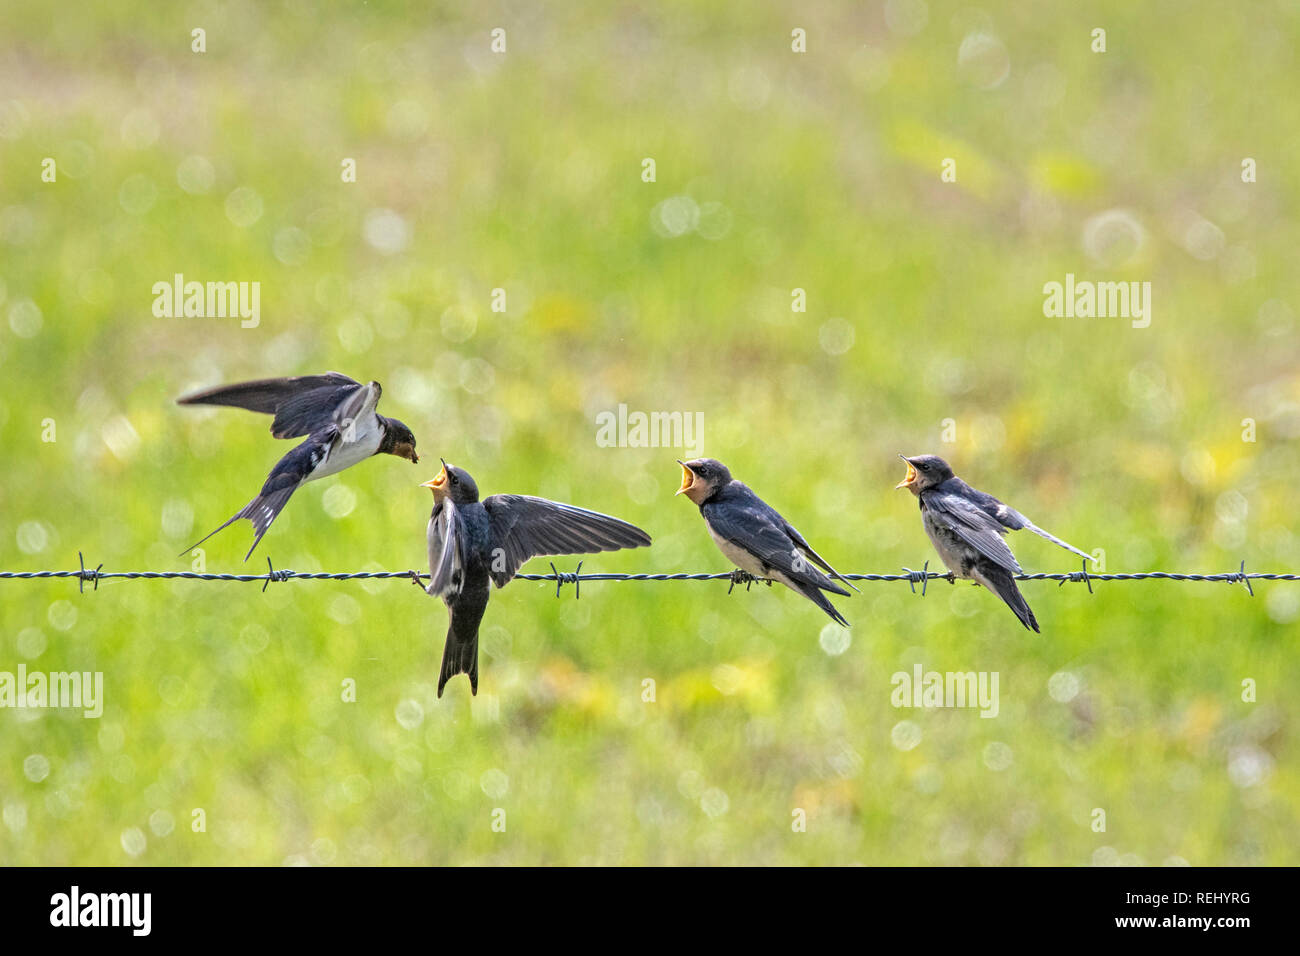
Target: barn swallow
336, 414
754, 537
472, 543
966, 527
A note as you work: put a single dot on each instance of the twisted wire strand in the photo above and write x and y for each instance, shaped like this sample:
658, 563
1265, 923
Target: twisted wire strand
576, 577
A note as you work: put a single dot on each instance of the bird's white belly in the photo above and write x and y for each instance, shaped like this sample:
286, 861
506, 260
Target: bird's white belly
350, 449
738, 556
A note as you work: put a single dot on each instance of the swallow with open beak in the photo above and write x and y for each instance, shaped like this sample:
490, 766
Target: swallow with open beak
472, 543
339, 419
967, 528
755, 538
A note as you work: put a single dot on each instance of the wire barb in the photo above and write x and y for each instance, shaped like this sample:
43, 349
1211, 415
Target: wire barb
568, 577
1077, 576
85, 575
923, 576
273, 575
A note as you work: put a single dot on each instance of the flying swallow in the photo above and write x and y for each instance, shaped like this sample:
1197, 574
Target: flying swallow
966, 527
754, 537
336, 414
472, 543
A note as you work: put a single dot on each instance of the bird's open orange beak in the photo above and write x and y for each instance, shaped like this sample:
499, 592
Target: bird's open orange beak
911, 475
688, 478
437, 482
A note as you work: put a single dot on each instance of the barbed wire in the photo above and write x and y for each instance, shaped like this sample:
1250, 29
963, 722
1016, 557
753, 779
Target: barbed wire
576, 577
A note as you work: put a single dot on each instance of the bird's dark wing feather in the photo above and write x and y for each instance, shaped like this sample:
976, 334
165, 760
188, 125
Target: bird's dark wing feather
754, 526
524, 527
301, 405
307, 411
972, 524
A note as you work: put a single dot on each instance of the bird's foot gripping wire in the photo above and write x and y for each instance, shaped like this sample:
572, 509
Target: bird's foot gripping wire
743, 577
568, 577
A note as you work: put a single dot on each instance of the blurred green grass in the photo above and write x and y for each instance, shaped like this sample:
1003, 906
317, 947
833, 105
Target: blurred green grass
523, 172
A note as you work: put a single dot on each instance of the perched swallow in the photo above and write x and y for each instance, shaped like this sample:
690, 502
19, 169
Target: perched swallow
336, 414
473, 542
967, 526
754, 537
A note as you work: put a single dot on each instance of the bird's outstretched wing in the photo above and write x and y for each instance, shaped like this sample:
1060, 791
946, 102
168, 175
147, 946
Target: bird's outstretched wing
301, 405
524, 527
754, 526
975, 526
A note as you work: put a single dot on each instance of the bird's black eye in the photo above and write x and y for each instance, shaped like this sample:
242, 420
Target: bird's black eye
455, 480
